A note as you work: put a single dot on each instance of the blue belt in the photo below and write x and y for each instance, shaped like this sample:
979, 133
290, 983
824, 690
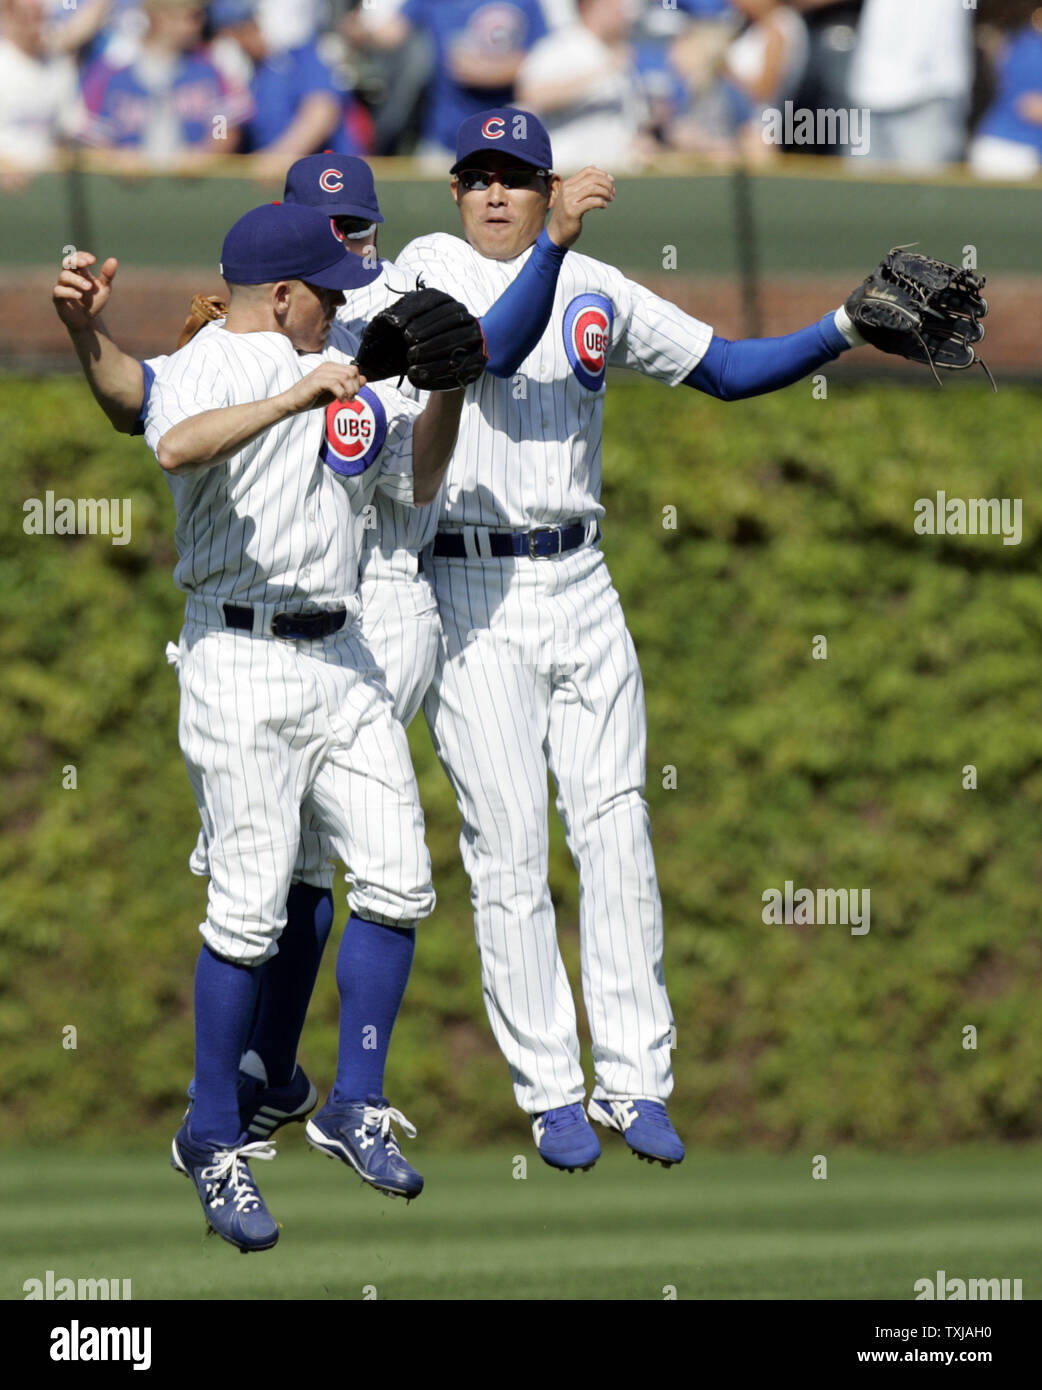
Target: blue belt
543, 542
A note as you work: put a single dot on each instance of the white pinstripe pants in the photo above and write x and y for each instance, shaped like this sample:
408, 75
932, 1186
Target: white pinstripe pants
538, 671
269, 729
400, 626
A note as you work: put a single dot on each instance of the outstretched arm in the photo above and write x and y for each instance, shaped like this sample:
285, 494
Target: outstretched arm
734, 371
116, 380
911, 306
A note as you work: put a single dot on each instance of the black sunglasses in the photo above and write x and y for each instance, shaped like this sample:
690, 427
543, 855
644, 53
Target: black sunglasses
351, 226
522, 176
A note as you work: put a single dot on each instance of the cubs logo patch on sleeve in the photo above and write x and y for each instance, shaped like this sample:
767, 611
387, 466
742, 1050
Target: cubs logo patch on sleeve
587, 337
355, 433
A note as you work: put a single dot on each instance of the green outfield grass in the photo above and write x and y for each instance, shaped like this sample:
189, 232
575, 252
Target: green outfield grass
745, 1226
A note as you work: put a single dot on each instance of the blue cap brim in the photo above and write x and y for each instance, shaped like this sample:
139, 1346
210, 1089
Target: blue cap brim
347, 272
347, 210
491, 148
333, 209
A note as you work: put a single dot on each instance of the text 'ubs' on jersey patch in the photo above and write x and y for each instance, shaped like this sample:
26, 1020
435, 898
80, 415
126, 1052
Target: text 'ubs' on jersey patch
587, 337
355, 433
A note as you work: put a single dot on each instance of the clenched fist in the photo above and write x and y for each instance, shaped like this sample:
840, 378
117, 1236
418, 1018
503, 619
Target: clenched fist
331, 381
590, 188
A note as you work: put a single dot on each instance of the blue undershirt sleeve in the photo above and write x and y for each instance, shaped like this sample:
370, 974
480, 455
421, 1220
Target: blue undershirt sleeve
733, 371
149, 377
518, 319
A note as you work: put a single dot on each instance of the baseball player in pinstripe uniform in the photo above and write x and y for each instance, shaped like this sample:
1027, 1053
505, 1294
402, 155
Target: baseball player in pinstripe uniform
537, 667
399, 615
274, 447
537, 670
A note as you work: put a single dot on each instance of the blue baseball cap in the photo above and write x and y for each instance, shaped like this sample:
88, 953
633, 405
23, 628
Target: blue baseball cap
508, 131
285, 241
340, 184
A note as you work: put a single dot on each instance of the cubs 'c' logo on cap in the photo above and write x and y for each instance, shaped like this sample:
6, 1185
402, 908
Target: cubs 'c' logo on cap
587, 337
496, 29
336, 230
331, 180
494, 128
355, 433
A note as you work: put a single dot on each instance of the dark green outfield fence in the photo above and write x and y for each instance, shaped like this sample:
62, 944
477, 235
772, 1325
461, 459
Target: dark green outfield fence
809, 215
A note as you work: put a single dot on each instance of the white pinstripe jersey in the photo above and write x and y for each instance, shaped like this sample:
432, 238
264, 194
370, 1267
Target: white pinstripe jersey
529, 447
275, 523
398, 526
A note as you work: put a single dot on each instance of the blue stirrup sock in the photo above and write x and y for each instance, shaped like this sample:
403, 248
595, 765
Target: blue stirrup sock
225, 995
288, 981
372, 970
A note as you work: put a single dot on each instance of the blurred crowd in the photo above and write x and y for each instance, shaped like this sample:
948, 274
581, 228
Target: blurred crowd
164, 84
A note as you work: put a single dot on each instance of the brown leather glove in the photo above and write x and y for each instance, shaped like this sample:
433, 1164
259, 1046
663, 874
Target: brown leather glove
204, 309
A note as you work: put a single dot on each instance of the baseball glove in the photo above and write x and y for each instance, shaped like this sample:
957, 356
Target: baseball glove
205, 308
921, 309
427, 336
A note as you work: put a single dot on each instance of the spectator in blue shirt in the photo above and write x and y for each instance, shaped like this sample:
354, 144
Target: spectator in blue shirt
299, 104
170, 105
478, 47
1008, 142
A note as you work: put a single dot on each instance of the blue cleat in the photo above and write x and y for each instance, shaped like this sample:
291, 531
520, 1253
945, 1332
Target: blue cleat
565, 1138
644, 1125
360, 1135
263, 1109
231, 1203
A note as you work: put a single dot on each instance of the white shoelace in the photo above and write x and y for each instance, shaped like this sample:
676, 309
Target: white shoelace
381, 1119
624, 1111
230, 1164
